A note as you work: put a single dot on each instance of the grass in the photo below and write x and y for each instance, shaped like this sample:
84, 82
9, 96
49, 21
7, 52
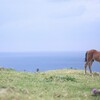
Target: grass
65, 84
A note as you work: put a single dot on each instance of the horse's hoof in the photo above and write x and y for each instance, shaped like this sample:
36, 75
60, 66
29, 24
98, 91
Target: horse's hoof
84, 73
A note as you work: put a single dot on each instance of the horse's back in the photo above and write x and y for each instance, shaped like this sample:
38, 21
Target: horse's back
92, 51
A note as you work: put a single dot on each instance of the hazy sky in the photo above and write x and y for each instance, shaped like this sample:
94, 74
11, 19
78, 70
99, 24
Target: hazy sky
49, 25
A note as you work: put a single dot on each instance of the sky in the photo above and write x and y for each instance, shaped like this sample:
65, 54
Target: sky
49, 25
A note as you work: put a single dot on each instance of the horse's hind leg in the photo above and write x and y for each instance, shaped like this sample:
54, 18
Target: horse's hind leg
85, 67
90, 65
90, 70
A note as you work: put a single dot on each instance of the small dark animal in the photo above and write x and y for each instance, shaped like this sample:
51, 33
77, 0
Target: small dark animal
37, 70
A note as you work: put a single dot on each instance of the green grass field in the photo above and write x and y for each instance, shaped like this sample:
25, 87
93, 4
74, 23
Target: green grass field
65, 84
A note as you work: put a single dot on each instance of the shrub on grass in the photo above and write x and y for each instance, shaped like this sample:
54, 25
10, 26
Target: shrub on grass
60, 78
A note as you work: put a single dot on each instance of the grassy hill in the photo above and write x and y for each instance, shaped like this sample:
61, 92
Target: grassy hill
65, 84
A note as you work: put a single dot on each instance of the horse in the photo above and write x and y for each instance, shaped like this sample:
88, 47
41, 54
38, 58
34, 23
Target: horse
90, 57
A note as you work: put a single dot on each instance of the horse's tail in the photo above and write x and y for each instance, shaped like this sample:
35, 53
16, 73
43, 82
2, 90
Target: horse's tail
86, 57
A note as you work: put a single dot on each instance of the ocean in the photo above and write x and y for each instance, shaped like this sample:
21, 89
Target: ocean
44, 61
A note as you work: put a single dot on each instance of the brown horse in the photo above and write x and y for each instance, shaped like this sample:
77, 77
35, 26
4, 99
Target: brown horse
90, 56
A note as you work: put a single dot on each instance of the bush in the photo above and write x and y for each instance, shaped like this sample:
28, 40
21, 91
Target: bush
60, 78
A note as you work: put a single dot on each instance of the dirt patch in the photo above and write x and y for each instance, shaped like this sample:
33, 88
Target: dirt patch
3, 90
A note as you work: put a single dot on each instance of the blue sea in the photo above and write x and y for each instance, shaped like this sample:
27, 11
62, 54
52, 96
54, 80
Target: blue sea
44, 61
